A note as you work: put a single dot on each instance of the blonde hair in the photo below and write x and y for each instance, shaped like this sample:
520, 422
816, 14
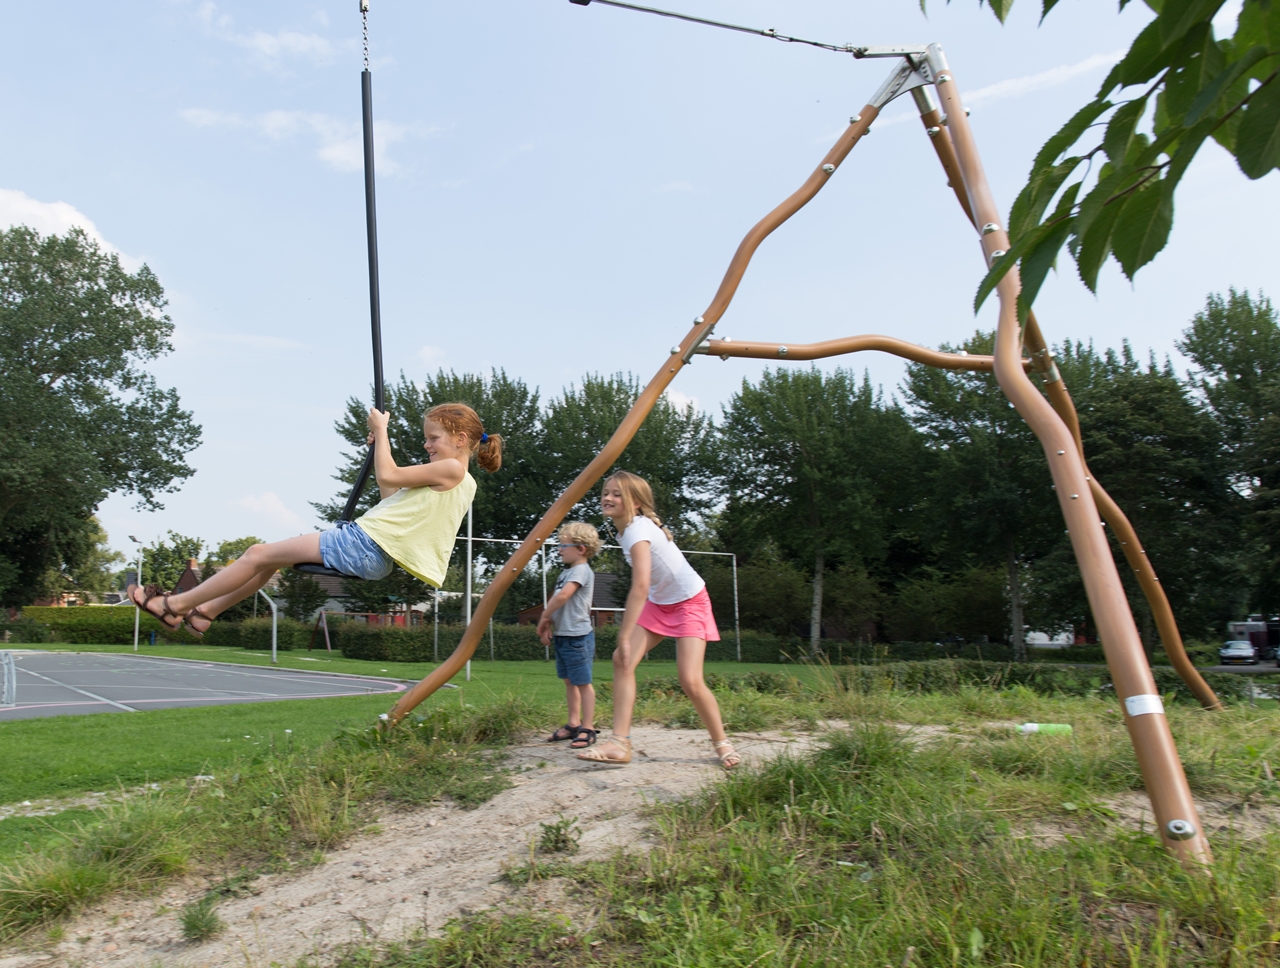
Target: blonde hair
458, 418
636, 493
581, 533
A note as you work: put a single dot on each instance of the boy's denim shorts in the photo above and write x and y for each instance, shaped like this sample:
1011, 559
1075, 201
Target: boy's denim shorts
346, 548
574, 655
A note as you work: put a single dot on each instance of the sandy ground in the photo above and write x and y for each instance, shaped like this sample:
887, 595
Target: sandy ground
422, 868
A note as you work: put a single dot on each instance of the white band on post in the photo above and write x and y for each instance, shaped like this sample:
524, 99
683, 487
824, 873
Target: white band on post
1143, 705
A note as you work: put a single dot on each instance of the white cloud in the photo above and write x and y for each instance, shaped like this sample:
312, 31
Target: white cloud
675, 186
54, 218
999, 91
1018, 86
431, 355
269, 505
270, 48
682, 400
341, 144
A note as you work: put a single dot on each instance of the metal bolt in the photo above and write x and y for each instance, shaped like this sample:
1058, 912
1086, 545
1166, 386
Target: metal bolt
989, 228
1074, 496
782, 351
697, 319
933, 132
997, 254
675, 350
1061, 452
855, 119
942, 119
967, 112
1180, 829
943, 78
828, 168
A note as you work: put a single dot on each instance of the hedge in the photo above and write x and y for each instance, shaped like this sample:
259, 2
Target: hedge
949, 675
101, 625
255, 633
384, 643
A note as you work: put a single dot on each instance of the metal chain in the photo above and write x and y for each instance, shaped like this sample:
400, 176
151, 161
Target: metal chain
364, 21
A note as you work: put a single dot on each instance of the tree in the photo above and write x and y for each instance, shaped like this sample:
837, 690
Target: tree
817, 464
990, 487
229, 551
1193, 87
674, 449
508, 503
164, 561
301, 594
398, 590
1235, 343
79, 419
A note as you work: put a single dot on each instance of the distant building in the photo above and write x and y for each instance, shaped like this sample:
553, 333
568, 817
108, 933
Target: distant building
604, 604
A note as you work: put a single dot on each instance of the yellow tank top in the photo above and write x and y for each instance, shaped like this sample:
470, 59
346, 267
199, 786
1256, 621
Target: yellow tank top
417, 526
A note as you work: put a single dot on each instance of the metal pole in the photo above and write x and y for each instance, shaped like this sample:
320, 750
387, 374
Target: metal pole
8, 680
274, 622
466, 607
491, 655
137, 612
737, 632
435, 608
546, 649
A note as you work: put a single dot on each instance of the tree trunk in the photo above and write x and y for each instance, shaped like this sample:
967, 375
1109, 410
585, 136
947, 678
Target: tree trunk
815, 616
1017, 639
1148, 632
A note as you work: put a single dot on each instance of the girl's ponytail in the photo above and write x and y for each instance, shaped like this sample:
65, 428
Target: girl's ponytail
489, 453
458, 418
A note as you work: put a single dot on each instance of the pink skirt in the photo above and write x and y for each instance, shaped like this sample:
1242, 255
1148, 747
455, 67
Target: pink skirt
690, 619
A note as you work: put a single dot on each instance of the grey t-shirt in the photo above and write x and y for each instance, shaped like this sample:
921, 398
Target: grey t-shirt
574, 616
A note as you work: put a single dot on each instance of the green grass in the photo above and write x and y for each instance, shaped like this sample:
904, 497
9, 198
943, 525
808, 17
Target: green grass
66, 755
881, 850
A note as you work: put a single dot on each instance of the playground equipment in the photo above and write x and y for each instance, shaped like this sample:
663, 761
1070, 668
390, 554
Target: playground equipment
923, 72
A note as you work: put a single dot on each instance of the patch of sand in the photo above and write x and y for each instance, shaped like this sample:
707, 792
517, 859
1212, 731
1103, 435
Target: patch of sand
424, 867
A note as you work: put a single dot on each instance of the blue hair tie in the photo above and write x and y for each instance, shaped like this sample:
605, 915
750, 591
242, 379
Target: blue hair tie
484, 438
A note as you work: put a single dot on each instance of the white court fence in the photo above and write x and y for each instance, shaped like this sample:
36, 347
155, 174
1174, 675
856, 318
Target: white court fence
8, 680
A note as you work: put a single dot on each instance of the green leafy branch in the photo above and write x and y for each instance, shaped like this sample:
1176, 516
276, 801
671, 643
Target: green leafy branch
1198, 88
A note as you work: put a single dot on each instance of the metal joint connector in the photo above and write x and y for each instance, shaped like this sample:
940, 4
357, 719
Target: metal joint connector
933, 132
989, 228
1180, 830
828, 168
995, 256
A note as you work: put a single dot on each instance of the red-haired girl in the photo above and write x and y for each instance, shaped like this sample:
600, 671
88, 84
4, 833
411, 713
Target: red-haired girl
413, 526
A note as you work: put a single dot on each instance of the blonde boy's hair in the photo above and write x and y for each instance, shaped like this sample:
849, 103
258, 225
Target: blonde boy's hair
580, 533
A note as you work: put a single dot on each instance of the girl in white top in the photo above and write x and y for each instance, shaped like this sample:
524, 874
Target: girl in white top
667, 598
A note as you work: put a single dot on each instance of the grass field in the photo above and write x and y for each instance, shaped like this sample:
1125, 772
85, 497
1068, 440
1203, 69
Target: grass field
66, 755
974, 846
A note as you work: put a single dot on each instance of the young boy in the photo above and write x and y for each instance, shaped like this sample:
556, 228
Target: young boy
569, 614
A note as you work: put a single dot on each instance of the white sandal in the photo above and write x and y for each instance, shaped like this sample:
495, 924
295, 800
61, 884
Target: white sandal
729, 757
597, 754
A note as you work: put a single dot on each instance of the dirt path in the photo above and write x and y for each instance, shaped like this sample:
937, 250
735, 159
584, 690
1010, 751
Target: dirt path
423, 867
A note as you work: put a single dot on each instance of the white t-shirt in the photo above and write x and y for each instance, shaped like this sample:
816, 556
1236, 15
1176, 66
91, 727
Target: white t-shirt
671, 577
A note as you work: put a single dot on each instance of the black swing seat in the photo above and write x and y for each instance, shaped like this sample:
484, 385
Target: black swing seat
311, 568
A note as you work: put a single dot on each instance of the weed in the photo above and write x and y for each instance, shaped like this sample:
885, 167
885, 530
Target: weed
200, 921
560, 836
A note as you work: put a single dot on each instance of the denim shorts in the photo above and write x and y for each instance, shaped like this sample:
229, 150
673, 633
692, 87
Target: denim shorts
346, 548
574, 655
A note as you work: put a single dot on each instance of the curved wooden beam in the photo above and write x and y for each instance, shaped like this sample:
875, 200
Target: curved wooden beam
1177, 820
784, 352
680, 355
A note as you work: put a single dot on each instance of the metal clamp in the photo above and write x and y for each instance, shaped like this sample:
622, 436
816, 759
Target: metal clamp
1180, 830
697, 344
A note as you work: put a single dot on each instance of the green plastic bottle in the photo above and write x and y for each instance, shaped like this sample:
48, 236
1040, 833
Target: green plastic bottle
1051, 729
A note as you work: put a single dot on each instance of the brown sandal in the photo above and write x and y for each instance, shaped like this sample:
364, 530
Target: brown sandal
148, 593
196, 613
597, 755
729, 757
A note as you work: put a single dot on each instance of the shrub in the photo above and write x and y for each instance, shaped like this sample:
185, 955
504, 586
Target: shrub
950, 675
101, 625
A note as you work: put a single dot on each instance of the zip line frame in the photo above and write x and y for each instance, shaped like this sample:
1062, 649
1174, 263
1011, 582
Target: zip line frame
924, 72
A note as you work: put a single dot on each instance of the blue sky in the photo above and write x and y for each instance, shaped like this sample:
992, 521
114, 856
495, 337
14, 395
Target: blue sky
560, 189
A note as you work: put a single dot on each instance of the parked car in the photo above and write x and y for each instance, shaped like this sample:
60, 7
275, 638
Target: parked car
1242, 652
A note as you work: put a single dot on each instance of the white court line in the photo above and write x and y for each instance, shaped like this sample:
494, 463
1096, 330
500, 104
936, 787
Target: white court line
110, 702
298, 674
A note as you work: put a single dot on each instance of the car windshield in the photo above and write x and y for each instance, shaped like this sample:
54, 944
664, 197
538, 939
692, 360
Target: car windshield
1238, 645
